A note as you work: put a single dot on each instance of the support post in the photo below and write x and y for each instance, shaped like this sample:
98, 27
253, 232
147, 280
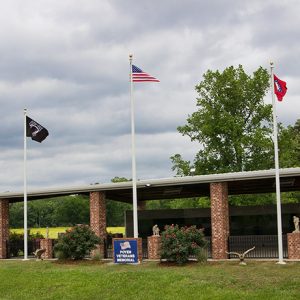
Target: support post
98, 218
4, 227
154, 246
219, 219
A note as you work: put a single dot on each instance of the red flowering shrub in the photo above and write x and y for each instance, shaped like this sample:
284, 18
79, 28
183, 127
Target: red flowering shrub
76, 243
178, 244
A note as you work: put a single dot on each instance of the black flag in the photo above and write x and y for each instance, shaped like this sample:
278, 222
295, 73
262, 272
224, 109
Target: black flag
36, 131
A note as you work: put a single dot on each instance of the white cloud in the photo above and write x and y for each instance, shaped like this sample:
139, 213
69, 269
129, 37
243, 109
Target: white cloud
67, 63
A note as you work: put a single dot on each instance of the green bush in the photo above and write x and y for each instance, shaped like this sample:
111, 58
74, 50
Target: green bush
76, 243
178, 244
16, 243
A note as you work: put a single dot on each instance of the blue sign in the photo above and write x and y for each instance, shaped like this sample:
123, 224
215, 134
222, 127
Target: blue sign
125, 251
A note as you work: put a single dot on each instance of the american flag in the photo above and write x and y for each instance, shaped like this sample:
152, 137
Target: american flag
140, 76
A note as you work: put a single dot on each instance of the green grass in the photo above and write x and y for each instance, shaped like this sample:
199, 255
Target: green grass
53, 231
150, 280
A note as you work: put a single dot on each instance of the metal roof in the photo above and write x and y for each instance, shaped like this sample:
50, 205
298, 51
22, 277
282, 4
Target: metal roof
252, 182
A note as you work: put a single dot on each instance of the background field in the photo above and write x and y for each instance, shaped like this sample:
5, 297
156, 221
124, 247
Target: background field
149, 280
53, 231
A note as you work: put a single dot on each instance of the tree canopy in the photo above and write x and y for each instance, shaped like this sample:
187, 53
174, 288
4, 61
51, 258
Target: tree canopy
289, 145
232, 124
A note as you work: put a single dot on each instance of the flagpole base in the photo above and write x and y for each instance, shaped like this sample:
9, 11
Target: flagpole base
281, 263
25, 259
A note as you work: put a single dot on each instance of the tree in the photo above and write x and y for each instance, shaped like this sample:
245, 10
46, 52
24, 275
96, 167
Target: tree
73, 210
60, 211
203, 202
41, 213
232, 124
289, 145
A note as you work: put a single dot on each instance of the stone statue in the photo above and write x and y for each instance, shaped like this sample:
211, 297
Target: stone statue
296, 223
38, 253
155, 230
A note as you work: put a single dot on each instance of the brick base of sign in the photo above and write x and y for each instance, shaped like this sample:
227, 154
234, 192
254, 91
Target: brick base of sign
48, 245
140, 249
4, 227
154, 246
293, 240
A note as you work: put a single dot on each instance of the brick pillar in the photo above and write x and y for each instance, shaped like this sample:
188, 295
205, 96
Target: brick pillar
48, 245
293, 240
98, 219
154, 246
219, 219
4, 227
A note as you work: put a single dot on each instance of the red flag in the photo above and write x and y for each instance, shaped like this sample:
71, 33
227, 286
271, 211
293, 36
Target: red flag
279, 88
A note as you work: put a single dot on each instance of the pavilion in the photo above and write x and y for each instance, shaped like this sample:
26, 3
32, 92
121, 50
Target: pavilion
216, 186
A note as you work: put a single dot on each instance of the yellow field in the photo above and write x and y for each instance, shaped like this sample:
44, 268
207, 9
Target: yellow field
53, 231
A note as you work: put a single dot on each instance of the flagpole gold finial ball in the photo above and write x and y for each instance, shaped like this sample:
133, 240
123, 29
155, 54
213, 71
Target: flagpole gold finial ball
271, 63
130, 56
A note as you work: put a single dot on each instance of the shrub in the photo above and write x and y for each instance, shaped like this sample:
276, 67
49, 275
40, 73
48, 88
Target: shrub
178, 244
76, 243
16, 243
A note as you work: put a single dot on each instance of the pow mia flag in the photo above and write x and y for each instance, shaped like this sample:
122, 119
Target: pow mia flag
35, 130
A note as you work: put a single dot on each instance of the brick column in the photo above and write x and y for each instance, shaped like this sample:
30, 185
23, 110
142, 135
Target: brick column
48, 245
219, 219
4, 227
154, 246
98, 218
293, 240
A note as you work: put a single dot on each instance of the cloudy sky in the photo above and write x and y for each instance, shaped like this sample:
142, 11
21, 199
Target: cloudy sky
67, 63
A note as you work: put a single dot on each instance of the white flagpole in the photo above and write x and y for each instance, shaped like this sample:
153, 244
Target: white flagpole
25, 190
275, 140
134, 190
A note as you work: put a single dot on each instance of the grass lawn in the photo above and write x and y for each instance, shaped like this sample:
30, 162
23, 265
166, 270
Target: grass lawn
149, 280
53, 231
